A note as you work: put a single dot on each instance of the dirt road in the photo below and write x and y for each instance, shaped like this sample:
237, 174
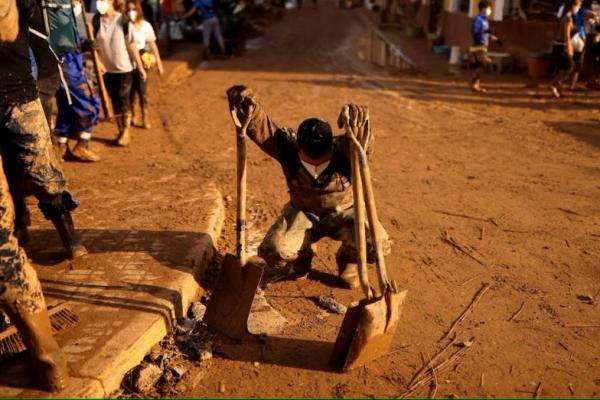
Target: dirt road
513, 177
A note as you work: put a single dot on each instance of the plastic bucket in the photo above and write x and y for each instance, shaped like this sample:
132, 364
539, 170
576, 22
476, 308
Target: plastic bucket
538, 65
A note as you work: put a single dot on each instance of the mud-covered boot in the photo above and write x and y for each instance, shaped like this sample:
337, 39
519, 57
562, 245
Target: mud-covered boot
61, 147
68, 235
300, 268
347, 271
82, 151
124, 137
49, 362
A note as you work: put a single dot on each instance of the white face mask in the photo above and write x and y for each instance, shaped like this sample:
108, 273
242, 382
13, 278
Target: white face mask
132, 15
102, 6
488, 12
316, 170
77, 9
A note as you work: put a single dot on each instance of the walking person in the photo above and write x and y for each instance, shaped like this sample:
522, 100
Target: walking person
145, 40
78, 118
570, 45
119, 57
481, 35
210, 24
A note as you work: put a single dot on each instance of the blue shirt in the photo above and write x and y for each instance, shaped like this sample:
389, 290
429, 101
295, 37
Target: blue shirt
480, 30
206, 8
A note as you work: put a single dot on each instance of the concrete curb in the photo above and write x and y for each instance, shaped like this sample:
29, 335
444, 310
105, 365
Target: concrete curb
127, 301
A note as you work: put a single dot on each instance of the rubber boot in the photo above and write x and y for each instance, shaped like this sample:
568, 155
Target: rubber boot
82, 151
68, 235
347, 270
300, 267
61, 147
49, 362
124, 137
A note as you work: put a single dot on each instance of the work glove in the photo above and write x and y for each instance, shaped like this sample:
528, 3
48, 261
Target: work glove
242, 103
88, 45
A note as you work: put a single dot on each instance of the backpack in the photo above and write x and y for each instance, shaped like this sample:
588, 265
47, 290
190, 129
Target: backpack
60, 25
124, 23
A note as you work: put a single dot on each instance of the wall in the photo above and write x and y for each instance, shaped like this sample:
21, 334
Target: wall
520, 37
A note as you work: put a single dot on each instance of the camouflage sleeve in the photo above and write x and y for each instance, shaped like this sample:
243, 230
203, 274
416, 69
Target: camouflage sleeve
267, 135
9, 20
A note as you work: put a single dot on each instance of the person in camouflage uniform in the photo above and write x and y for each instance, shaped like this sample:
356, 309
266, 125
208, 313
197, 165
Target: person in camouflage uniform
20, 111
317, 170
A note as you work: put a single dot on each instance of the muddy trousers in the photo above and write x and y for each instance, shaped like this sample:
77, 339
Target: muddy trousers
290, 238
20, 288
481, 62
30, 164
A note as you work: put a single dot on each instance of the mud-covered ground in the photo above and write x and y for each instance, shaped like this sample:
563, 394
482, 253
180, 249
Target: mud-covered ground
512, 176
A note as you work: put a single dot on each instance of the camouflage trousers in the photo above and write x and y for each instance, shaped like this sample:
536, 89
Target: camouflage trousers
30, 163
20, 288
291, 237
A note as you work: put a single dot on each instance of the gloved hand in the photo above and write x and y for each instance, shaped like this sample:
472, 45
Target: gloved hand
353, 115
242, 103
88, 45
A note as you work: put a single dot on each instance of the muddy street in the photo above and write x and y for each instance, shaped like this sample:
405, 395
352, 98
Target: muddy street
512, 178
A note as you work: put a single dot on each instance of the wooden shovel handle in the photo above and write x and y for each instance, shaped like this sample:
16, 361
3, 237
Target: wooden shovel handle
104, 99
241, 187
359, 219
365, 173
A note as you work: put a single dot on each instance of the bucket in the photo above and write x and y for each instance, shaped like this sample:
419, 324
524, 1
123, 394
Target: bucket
454, 55
538, 65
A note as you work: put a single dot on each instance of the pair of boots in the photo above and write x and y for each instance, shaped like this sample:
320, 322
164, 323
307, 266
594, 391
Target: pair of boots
124, 124
48, 361
81, 151
347, 268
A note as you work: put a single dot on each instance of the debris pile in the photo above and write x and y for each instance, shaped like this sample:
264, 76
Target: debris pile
169, 361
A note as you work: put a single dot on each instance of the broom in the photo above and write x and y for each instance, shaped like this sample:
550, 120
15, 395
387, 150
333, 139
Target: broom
11, 343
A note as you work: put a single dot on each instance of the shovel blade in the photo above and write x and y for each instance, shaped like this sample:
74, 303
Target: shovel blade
367, 331
230, 303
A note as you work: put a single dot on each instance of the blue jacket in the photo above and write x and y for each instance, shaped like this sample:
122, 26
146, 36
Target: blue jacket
206, 7
480, 30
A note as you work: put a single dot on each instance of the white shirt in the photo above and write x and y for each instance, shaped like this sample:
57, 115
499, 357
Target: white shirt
315, 170
142, 34
112, 44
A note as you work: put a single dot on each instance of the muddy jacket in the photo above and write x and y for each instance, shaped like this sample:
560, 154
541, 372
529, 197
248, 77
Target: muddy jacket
330, 192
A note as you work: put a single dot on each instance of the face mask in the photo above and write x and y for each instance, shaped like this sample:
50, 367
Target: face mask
77, 9
488, 12
132, 14
316, 170
102, 6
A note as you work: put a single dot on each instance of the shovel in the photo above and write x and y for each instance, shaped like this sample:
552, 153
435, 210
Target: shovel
230, 303
369, 325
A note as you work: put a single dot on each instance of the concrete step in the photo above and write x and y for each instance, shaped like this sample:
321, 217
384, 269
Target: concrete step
127, 293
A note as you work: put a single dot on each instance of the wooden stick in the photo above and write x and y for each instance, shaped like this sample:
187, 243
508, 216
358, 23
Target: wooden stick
466, 251
481, 382
571, 389
470, 307
469, 280
461, 215
538, 391
516, 314
581, 326
431, 361
439, 367
482, 233
566, 210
